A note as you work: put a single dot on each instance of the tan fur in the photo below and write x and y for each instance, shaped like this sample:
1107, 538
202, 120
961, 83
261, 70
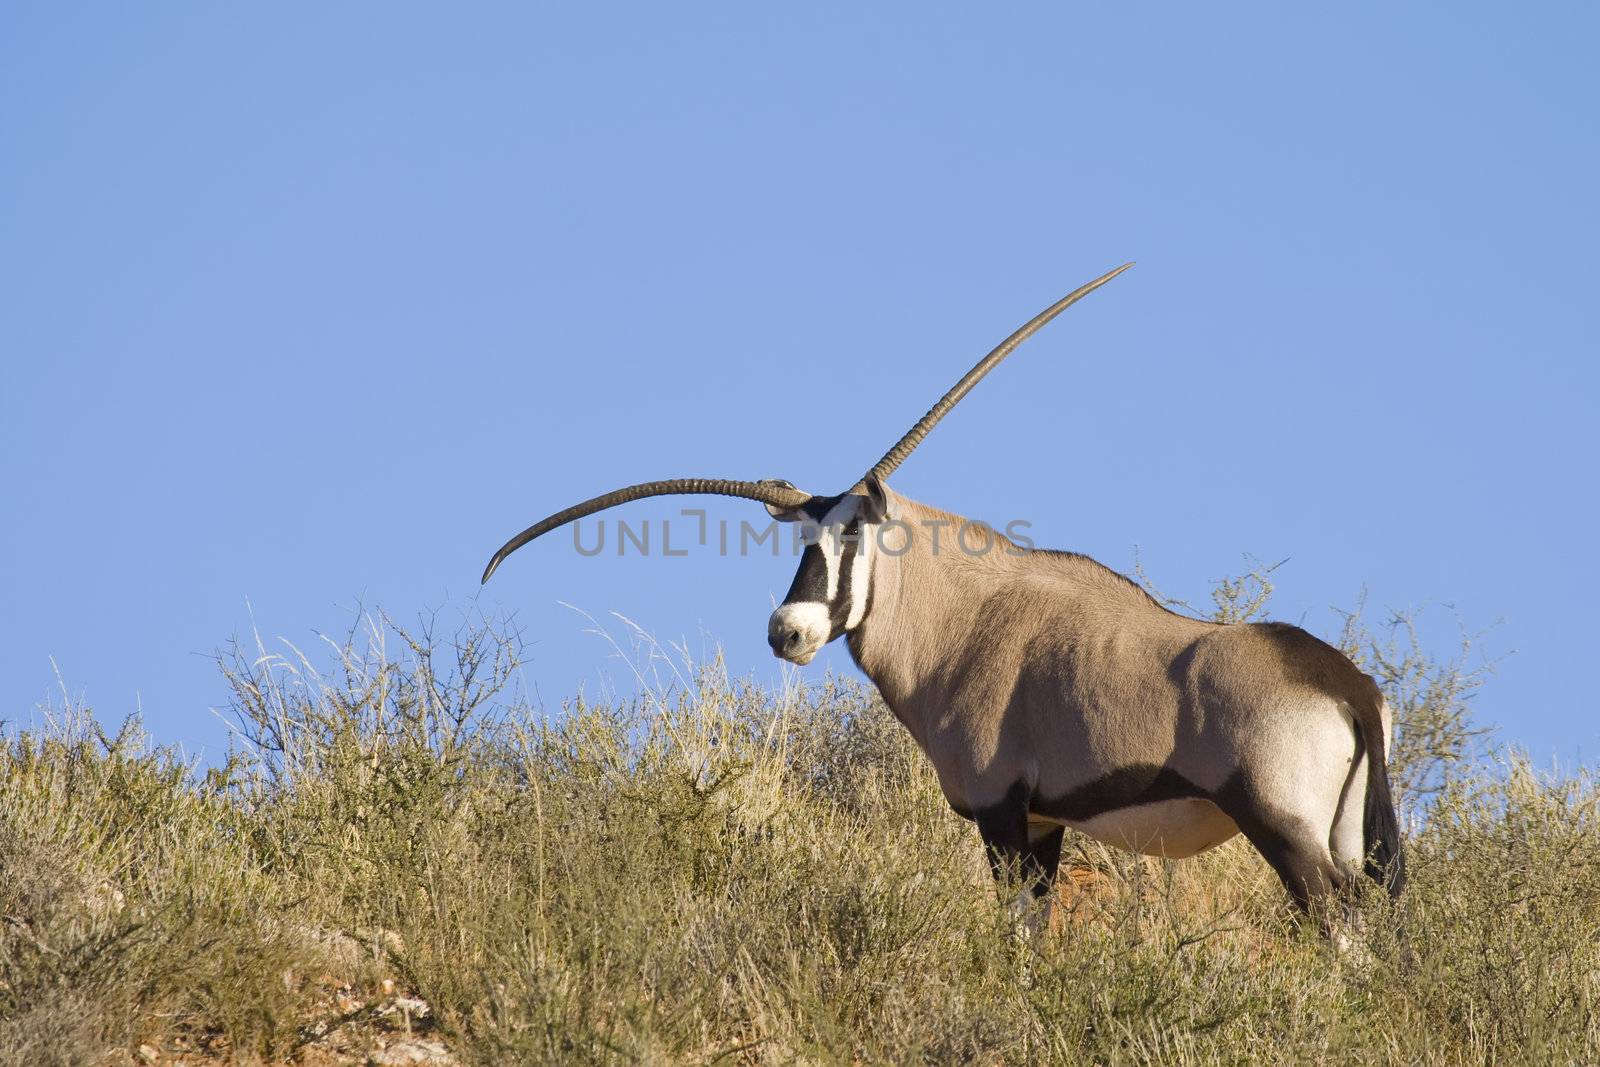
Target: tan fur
1051, 670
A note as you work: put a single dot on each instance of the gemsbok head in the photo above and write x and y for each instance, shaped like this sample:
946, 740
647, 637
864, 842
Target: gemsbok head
1050, 692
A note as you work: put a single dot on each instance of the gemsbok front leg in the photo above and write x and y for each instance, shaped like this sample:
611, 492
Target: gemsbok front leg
1022, 852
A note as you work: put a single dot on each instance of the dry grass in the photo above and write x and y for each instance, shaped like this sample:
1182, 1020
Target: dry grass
718, 874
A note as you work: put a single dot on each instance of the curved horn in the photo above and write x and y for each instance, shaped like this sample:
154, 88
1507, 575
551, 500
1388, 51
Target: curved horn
903, 448
777, 494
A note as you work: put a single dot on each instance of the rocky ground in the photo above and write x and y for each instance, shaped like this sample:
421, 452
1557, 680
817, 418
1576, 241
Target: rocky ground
381, 1028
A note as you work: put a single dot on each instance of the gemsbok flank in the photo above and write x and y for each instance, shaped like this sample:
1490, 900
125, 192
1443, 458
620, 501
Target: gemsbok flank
1050, 691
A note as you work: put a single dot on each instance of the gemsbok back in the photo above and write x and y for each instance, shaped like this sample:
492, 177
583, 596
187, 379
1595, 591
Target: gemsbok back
1051, 692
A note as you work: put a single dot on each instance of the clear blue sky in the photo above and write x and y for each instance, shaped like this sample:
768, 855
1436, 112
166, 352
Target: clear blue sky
306, 305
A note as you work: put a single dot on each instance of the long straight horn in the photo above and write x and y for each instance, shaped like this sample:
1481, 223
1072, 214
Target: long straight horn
780, 495
903, 448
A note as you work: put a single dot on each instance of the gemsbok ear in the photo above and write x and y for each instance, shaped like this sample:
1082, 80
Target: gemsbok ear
783, 514
876, 508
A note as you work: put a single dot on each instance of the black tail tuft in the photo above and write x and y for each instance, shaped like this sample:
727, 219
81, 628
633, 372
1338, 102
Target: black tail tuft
1386, 863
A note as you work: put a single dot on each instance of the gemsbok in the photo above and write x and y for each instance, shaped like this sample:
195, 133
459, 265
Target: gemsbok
1050, 691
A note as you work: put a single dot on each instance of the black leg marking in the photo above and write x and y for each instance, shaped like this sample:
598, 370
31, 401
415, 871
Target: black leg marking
1004, 828
1044, 854
1013, 851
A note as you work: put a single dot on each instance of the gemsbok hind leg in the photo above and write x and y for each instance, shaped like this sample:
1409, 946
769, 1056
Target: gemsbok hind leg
1346, 839
1295, 843
1305, 866
1286, 796
1348, 843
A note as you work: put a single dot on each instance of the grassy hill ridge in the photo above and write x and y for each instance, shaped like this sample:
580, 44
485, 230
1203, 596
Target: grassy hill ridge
402, 858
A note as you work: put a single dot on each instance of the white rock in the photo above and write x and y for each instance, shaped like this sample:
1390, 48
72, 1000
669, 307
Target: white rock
412, 1051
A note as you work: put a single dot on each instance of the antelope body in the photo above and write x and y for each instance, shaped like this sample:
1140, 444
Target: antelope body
1051, 692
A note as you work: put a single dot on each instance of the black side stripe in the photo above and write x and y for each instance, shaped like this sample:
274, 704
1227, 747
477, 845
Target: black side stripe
1125, 787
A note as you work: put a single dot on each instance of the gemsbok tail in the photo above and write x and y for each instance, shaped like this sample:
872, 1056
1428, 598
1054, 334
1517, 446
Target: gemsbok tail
1385, 863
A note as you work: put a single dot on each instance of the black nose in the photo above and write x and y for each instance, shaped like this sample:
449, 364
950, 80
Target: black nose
781, 641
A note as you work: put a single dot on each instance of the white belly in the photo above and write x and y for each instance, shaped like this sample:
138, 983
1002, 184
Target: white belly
1171, 828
